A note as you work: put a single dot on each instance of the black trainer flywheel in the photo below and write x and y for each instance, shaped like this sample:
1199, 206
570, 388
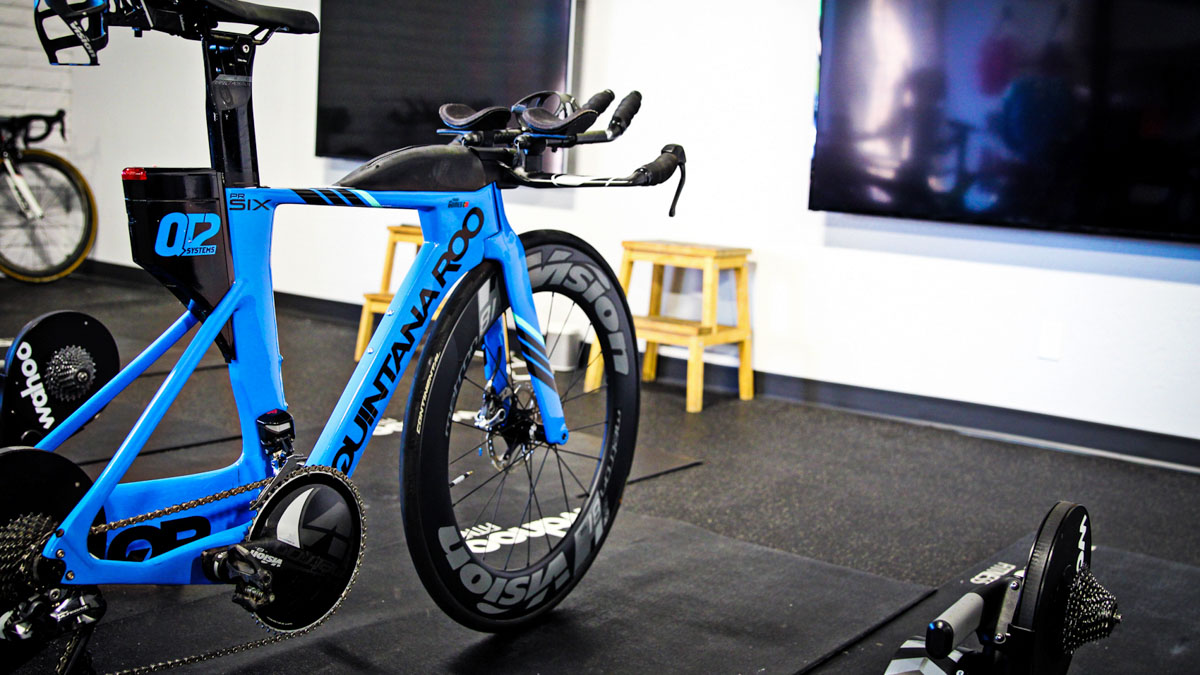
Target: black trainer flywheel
54, 364
1062, 549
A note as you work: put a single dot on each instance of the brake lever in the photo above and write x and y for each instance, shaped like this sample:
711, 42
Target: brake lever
681, 164
678, 189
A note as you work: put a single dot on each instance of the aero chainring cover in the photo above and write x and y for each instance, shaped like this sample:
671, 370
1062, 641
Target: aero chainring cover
1063, 547
313, 522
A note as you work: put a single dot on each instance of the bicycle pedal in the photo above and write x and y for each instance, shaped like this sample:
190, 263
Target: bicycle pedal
302, 552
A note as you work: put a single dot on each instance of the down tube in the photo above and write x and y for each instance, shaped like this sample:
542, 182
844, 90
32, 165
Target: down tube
455, 245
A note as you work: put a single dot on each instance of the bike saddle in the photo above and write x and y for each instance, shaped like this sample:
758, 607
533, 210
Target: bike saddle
462, 117
274, 18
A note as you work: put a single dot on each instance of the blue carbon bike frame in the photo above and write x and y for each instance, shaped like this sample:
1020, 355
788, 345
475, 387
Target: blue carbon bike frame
461, 230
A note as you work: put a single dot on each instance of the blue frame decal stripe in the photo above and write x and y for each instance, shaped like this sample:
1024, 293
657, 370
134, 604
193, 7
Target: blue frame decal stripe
365, 196
532, 332
336, 196
349, 196
534, 355
312, 197
330, 193
545, 378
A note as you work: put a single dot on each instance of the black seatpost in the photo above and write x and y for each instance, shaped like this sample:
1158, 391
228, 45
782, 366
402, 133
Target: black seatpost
228, 66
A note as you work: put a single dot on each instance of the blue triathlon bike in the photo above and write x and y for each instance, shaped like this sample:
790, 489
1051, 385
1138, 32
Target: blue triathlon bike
510, 474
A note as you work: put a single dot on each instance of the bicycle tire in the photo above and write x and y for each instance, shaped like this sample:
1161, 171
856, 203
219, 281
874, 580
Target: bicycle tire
467, 577
64, 236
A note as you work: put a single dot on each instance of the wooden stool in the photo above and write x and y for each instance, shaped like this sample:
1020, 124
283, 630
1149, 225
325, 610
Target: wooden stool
377, 303
695, 335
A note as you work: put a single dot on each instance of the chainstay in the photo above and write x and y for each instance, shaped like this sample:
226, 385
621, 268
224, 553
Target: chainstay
276, 637
166, 511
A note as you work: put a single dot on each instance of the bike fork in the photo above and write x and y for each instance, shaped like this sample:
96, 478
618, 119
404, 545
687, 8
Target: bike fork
21, 192
528, 338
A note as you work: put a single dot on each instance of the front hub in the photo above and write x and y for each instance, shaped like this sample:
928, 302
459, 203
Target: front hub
517, 430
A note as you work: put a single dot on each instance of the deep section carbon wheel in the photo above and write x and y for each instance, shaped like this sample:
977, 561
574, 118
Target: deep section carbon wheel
501, 524
40, 249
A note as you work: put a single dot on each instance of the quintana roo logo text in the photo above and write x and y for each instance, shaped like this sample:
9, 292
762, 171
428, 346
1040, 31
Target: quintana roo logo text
386, 377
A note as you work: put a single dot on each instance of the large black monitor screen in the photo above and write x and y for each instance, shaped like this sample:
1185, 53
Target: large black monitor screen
388, 65
1079, 115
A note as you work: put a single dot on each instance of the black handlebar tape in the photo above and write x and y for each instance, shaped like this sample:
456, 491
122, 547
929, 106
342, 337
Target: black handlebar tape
676, 150
660, 169
601, 101
626, 109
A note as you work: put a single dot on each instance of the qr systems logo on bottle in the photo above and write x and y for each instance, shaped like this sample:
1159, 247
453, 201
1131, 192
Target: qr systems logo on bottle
187, 234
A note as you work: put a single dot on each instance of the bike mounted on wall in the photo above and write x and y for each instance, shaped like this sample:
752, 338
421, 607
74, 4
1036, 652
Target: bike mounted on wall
491, 430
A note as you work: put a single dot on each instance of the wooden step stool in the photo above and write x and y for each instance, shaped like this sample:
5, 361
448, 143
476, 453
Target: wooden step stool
377, 303
695, 335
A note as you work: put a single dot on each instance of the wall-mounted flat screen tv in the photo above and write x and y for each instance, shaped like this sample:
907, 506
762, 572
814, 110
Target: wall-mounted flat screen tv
386, 66
1076, 115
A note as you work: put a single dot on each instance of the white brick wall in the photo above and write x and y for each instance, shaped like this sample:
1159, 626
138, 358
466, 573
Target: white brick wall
28, 83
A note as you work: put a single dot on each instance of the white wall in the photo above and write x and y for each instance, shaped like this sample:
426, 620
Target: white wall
28, 83
957, 312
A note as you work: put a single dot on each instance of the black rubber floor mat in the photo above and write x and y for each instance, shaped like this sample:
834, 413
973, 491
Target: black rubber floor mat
663, 596
1159, 601
651, 462
203, 413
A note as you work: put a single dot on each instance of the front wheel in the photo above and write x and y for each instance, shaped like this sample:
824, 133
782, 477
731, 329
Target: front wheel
500, 524
47, 230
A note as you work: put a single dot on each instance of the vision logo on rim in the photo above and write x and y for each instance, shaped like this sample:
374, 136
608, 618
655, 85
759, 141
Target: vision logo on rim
496, 594
490, 537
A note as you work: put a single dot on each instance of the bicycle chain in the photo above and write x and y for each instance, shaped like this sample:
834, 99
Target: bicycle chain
61, 667
65, 658
277, 636
159, 513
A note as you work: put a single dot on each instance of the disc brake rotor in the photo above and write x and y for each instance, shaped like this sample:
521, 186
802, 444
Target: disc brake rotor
516, 428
